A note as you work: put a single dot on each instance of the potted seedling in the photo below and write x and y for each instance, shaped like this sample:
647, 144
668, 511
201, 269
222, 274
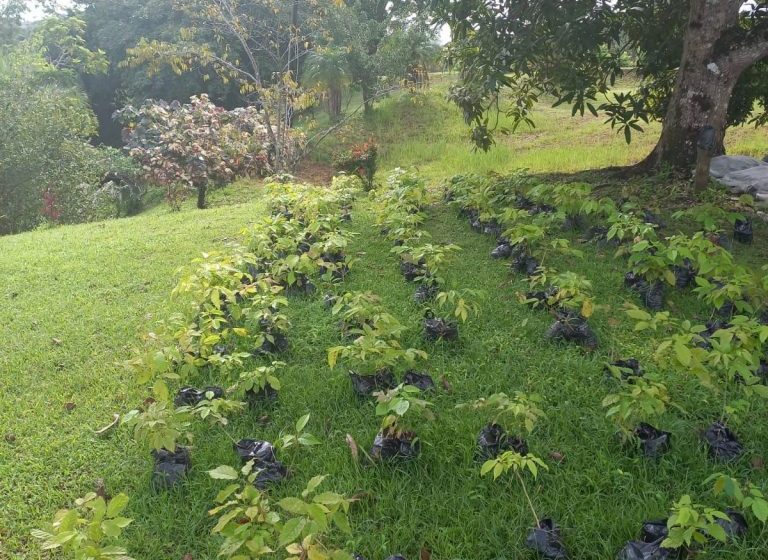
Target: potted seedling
271, 325
330, 252
545, 536
692, 524
403, 227
459, 304
650, 268
252, 527
729, 293
689, 525
371, 360
710, 218
401, 410
570, 199
90, 531
691, 255
541, 291
160, 428
260, 384
725, 362
508, 219
626, 226
360, 309
747, 497
293, 272
262, 455
424, 264
634, 408
513, 417
572, 305
533, 245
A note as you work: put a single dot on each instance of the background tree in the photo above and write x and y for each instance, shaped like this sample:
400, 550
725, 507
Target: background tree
378, 36
698, 63
259, 45
328, 68
49, 170
114, 26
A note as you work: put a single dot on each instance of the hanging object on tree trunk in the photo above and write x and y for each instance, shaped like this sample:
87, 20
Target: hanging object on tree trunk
705, 146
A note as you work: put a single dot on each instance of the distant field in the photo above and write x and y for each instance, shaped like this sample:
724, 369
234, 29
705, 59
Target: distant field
427, 131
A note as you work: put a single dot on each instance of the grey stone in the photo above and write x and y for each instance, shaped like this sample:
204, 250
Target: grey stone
742, 175
721, 166
749, 181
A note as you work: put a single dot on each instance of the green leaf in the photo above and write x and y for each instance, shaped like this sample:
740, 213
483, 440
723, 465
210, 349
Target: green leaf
683, 353
291, 530
487, 467
302, 422
117, 504
312, 485
402, 407
226, 493
717, 532
111, 528
223, 472
760, 509
293, 505
308, 439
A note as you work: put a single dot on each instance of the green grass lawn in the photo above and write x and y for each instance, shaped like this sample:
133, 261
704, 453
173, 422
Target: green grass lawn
75, 300
427, 131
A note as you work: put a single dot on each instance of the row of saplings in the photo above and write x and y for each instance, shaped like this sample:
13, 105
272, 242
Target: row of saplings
232, 331
726, 355
241, 520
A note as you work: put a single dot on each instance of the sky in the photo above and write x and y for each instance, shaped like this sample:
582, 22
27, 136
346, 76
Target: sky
35, 13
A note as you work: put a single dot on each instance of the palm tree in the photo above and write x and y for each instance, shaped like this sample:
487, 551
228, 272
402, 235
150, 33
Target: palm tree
327, 68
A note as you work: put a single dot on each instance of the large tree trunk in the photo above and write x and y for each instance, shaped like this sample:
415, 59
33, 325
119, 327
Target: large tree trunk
714, 57
334, 102
367, 99
202, 189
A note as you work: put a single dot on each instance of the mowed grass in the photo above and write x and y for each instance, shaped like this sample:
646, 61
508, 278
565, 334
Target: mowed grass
76, 299
427, 131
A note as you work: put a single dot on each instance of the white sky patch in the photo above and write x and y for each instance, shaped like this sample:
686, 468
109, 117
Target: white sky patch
35, 12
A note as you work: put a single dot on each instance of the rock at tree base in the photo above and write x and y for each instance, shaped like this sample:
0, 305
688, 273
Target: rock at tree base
741, 174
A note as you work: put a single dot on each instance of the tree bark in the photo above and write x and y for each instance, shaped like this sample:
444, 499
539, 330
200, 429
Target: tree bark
202, 189
367, 99
715, 54
334, 102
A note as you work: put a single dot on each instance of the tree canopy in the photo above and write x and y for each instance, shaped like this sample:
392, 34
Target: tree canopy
576, 50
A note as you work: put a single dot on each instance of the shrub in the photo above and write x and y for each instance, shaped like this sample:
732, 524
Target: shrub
360, 159
192, 145
49, 172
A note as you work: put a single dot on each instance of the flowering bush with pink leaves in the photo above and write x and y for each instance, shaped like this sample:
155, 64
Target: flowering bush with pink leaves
196, 144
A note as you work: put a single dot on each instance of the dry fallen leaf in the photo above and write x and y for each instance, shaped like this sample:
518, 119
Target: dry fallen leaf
100, 488
425, 553
557, 456
69, 406
352, 447
447, 387
108, 427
